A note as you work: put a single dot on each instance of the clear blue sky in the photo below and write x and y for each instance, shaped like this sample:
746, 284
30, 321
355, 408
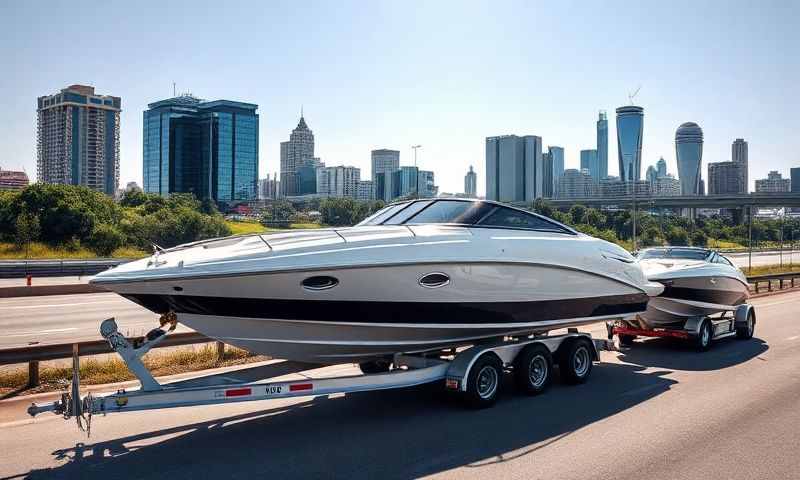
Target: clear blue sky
444, 75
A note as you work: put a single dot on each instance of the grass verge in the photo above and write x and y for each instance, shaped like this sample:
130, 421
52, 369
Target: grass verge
36, 250
111, 369
771, 269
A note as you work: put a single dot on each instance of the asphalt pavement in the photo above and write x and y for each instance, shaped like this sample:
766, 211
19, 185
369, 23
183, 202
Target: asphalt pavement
68, 318
659, 410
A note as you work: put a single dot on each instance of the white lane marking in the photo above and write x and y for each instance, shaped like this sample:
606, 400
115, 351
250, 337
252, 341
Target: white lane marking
21, 307
41, 332
794, 337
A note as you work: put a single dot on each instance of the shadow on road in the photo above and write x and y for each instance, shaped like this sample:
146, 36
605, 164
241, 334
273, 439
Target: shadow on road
387, 434
674, 354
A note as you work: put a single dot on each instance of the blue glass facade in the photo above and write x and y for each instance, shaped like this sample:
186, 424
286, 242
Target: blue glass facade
591, 162
689, 153
209, 149
629, 142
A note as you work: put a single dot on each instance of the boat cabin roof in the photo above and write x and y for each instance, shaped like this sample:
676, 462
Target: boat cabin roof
463, 212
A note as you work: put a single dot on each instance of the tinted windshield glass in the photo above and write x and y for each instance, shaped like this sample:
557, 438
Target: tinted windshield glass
382, 215
451, 211
406, 213
510, 218
682, 253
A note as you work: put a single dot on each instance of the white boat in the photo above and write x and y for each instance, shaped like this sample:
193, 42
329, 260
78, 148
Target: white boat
697, 283
416, 276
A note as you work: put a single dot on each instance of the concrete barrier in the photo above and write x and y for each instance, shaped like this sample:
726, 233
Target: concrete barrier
42, 290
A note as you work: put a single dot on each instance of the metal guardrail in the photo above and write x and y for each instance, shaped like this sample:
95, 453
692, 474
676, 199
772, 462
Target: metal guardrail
32, 355
769, 279
55, 268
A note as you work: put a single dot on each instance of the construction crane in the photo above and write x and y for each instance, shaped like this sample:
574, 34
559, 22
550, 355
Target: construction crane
636, 92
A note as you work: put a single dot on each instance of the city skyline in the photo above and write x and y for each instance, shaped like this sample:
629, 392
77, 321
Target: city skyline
454, 102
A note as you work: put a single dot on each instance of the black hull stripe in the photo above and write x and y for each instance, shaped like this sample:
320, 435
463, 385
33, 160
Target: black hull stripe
395, 312
719, 297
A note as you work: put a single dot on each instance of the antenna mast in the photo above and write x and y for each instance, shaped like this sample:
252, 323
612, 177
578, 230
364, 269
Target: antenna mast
632, 95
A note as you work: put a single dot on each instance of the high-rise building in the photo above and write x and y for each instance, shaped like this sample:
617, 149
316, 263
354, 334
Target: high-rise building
666, 186
471, 183
661, 167
689, 153
589, 161
405, 182
12, 180
386, 162
602, 144
269, 188
795, 174
576, 184
613, 188
547, 171
630, 120
774, 183
726, 178
297, 153
651, 175
739, 155
427, 185
78, 138
207, 148
514, 170
338, 181
365, 190
557, 156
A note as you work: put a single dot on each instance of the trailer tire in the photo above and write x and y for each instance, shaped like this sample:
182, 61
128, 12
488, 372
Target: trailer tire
705, 336
484, 381
626, 340
533, 369
375, 366
575, 361
746, 331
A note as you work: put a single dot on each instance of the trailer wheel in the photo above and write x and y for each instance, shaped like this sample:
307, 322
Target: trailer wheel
533, 369
483, 382
375, 366
575, 362
626, 340
705, 336
745, 332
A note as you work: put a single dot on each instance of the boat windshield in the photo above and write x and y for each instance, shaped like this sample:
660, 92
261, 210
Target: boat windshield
681, 253
463, 212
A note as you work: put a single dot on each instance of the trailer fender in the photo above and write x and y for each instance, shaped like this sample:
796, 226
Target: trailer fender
740, 315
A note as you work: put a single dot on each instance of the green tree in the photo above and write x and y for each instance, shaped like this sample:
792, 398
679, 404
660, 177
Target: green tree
699, 238
27, 230
595, 218
543, 207
105, 239
339, 211
577, 212
677, 236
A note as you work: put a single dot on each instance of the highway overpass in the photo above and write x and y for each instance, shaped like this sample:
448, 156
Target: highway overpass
758, 200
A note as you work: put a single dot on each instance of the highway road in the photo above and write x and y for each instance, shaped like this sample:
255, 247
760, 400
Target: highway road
764, 258
658, 411
68, 318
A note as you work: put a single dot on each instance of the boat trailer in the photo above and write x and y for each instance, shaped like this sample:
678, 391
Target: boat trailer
475, 374
703, 331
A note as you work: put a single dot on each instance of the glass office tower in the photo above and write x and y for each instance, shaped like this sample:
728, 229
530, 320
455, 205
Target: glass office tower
689, 152
209, 149
590, 162
630, 120
602, 144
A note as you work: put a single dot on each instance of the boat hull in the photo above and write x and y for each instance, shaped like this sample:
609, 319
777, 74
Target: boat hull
374, 311
694, 296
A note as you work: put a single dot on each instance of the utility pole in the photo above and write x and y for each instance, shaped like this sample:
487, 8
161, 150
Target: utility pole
750, 238
634, 215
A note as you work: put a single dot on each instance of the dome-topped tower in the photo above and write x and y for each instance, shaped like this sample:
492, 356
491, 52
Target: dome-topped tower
689, 153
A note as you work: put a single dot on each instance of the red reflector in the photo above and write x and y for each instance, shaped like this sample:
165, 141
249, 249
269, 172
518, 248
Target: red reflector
238, 392
300, 386
452, 384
